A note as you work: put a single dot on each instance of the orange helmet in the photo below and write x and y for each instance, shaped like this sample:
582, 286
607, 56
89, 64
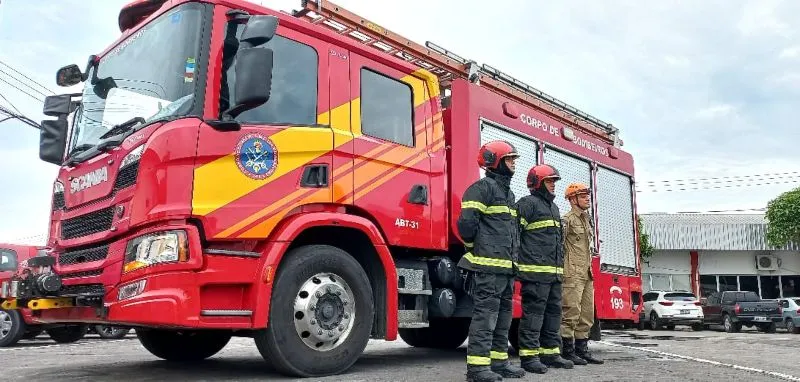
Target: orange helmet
539, 173
575, 189
493, 152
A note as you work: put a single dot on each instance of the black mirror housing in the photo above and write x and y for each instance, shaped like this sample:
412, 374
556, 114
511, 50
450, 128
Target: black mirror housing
58, 105
253, 79
69, 75
259, 30
53, 140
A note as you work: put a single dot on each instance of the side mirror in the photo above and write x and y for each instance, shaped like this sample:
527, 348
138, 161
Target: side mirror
69, 75
53, 140
259, 30
253, 79
58, 105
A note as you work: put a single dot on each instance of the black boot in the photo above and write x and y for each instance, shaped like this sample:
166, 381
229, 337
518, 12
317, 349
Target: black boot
533, 365
555, 361
582, 350
482, 374
507, 370
568, 352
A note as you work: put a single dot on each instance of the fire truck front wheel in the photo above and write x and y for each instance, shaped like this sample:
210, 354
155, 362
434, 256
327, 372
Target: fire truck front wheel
321, 313
183, 346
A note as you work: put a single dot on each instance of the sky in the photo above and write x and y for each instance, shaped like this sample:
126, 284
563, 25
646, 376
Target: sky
697, 89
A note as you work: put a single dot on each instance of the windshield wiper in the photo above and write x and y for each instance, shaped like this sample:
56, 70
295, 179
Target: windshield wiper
122, 127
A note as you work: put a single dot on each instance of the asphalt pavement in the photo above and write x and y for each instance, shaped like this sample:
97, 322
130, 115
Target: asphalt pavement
631, 355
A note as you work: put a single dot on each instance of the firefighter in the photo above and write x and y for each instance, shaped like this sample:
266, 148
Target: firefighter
541, 262
578, 291
488, 227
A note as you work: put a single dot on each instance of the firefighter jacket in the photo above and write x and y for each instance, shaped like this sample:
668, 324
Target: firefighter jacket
577, 245
488, 225
541, 253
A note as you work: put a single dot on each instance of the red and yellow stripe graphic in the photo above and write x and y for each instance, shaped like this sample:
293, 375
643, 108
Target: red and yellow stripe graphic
243, 207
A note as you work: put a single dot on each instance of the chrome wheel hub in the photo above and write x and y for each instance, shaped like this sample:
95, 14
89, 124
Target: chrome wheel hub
324, 311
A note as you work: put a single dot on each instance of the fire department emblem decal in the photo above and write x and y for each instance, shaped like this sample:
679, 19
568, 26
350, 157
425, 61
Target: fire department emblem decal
256, 156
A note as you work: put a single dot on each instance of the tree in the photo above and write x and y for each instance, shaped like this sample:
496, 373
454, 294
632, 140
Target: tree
645, 249
783, 219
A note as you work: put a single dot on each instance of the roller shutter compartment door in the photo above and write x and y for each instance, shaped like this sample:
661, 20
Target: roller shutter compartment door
615, 213
526, 148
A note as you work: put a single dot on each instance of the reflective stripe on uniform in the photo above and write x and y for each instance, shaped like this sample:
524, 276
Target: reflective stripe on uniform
488, 261
539, 224
478, 360
528, 352
490, 209
540, 269
498, 355
549, 351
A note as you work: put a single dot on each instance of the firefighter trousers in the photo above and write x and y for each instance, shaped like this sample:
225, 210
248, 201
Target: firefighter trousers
491, 318
577, 308
541, 318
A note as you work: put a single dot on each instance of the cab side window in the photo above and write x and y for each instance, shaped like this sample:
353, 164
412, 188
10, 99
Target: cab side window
8, 260
387, 108
293, 96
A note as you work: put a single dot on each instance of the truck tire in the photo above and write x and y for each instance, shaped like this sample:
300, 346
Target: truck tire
67, 334
729, 325
12, 327
321, 313
109, 332
183, 346
443, 333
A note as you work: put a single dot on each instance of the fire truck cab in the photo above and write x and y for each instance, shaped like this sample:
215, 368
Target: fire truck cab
294, 178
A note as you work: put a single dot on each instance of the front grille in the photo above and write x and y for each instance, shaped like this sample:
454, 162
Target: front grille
126, 176
93, 222
75, 275
83, 289
83, 255
58, 201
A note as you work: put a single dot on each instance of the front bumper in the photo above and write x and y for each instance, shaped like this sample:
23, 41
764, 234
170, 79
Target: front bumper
206, 291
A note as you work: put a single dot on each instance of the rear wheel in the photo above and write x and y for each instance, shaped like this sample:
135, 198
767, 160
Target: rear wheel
321, 313
12, 327
729, 325
67, 334
443, 333
183, 346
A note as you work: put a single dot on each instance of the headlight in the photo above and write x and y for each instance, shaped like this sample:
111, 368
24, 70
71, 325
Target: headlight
58, 187
157, 248
132, 156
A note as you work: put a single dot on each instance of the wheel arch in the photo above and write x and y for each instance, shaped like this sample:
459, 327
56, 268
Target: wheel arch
357, 236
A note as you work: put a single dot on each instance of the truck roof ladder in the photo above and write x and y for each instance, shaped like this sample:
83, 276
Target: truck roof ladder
447, 66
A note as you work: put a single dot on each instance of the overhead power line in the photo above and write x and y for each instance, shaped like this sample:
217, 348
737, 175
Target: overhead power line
716, 179
45, 88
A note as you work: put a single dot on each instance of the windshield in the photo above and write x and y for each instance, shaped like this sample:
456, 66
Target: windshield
679, 297
151, 75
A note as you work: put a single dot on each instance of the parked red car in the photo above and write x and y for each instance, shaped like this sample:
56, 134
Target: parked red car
21, 323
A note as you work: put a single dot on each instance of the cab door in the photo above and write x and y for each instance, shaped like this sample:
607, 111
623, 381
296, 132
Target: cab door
247, 181
392, 170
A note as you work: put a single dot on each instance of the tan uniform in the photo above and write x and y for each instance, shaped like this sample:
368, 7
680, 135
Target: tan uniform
577, 304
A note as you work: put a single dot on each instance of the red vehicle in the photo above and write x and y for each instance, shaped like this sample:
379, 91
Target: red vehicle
295, 179
18, 324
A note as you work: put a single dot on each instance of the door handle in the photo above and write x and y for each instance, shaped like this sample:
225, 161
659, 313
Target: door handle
418, 194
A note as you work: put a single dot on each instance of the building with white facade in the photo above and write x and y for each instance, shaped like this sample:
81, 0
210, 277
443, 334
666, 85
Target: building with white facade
713, 252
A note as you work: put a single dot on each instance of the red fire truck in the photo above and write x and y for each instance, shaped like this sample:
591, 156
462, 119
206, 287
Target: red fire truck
231, 170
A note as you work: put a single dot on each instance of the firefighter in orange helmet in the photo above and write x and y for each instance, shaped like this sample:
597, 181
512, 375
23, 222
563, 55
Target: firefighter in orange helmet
488, 227
578, 292
541, 262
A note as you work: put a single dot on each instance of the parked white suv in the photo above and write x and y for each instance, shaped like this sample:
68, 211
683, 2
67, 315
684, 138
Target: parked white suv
670, 308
